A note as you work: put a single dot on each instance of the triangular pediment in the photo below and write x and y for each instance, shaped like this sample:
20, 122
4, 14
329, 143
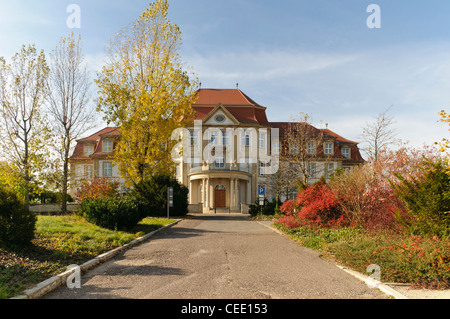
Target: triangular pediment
220, 116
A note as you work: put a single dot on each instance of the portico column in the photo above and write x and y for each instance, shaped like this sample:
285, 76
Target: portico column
249, 195
190, 192
231, 192
203, 193
236, 193
207, 192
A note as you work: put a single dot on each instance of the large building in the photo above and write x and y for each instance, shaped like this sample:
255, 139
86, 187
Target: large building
233, 151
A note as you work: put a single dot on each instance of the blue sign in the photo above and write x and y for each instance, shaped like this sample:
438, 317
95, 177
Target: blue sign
261, 190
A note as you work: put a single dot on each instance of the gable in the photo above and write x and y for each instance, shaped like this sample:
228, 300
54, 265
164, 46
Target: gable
220, 116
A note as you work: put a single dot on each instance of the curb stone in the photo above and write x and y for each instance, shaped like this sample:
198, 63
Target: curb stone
57, 281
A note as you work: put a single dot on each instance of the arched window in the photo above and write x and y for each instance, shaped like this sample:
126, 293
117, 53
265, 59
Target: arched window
219, 188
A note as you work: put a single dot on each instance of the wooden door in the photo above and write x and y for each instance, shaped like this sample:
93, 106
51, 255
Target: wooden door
220, 198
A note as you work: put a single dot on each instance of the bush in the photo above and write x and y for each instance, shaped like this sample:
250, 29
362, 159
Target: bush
366, 199
268, 209
153, 192
113, 213
99, 187
17, 224
427, 198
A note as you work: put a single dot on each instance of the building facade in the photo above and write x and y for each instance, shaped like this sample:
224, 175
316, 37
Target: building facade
232, 151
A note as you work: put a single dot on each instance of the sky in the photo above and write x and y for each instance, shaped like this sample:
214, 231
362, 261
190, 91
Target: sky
317, 57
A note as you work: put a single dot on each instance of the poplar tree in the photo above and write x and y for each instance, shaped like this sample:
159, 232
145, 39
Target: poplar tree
144, 90
24, 131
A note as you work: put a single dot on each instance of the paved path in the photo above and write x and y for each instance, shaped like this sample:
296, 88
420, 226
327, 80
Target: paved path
218, 257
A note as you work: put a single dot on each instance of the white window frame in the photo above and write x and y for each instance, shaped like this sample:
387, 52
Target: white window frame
346, 152
88, 171
261, 140
246, 138
329, 169
219, 162
312, 170
311, 148
214, 138
329, 150
225, 139
107, 146
88, 150
194, 140
260, 168
107, 171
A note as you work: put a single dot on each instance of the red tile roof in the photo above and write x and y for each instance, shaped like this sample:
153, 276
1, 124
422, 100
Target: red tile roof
227, 97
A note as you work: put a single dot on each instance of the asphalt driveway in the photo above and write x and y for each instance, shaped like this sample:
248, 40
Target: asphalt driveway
218, 257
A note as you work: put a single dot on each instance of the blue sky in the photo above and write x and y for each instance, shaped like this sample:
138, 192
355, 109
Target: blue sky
316, 56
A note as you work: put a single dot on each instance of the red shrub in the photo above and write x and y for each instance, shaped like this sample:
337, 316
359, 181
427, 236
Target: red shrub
99, 187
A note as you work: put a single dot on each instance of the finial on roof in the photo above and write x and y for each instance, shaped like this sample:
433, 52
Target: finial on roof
237, 85
326, 125
200, 85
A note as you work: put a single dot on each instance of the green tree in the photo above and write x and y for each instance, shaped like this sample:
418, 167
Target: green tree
427, 197
144, 91
24, 131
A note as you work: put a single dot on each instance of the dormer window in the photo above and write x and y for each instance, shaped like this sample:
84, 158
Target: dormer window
107, 146
328, 148
88, 149
346, 152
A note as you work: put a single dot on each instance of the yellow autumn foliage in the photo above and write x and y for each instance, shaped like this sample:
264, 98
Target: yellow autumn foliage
144, 90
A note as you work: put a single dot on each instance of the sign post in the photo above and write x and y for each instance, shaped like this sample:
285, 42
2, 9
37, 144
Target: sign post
169, 200
261, 195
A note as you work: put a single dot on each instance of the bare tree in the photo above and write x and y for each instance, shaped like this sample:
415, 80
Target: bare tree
302, 143
378, 135
69, 97
24, 133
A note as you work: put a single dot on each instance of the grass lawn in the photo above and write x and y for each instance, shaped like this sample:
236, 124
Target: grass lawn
59, 242
423, 261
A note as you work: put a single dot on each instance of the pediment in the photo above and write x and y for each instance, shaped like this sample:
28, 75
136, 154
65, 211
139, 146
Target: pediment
220, 116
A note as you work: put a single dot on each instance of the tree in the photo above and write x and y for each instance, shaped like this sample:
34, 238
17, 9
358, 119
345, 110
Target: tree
69, 88
379, 134
144, 91
302, 143
22, 96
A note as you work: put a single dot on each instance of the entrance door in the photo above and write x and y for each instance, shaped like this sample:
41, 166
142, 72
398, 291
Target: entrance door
220, 196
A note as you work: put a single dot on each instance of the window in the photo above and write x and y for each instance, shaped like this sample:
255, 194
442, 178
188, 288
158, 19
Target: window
107, 169
260, 169
220, 118
311, 148
329, 168
107, 146
261, 140
276, 148
293, 149
219, 162
312, 170
328, 148
88, 172
246, 139
346, 152
225, 138
193, 138
88, 149
213, 138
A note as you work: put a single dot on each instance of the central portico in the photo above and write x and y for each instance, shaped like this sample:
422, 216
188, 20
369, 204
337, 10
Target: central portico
226, 116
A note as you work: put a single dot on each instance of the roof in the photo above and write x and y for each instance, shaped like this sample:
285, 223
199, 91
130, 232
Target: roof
283, 126
242, 107
338, 137
96, 138
226, 97
108, 131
